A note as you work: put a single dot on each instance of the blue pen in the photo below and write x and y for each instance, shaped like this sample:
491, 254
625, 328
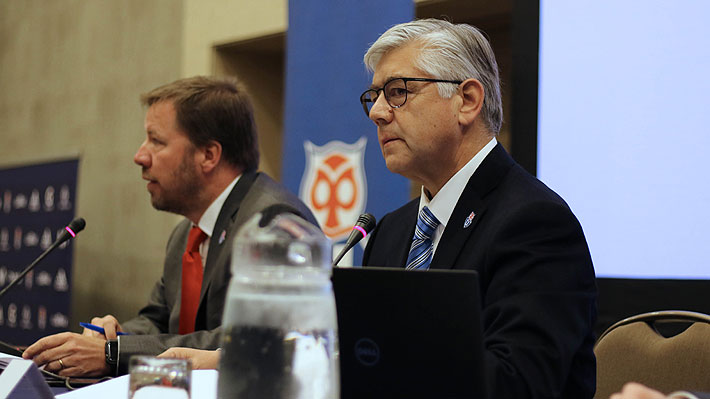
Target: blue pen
99, 329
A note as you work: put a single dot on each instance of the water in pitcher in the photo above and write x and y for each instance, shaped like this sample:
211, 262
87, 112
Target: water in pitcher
273, 363
280, 327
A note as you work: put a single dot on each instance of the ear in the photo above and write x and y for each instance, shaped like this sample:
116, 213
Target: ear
472, 93
211, 154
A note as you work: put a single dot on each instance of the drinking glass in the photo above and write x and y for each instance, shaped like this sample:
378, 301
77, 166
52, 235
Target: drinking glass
152, 377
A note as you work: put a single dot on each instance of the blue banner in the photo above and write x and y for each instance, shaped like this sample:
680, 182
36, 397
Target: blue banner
36, 203
332, 157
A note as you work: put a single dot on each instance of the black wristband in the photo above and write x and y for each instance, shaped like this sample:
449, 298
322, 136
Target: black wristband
111, 350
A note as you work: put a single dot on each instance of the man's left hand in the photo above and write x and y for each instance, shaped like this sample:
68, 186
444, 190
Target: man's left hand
70, 355
200, 359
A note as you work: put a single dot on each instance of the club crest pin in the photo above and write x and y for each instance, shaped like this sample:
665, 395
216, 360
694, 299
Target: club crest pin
222, 236
468, 220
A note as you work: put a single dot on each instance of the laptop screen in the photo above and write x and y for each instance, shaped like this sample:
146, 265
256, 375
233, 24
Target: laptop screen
413, 334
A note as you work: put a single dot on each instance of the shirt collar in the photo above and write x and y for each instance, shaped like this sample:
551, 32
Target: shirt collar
443, 203
209, 218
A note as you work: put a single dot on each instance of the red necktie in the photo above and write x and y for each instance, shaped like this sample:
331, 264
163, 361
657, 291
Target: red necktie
191, 280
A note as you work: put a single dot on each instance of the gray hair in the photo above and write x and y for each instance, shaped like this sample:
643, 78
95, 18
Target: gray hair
451, 52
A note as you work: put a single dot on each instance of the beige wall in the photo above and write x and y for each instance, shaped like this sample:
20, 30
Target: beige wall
227, 38
71, 72
210, 23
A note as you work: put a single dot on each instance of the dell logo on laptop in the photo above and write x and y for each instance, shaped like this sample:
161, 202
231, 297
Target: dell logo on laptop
367, 352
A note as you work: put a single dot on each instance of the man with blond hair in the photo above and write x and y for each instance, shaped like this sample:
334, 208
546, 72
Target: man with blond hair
200, 160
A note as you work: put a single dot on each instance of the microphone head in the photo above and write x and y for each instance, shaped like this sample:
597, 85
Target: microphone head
367, 221
364, 225
70, 231
77, 225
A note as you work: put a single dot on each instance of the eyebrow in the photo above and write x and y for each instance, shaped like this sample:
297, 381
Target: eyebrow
389, 78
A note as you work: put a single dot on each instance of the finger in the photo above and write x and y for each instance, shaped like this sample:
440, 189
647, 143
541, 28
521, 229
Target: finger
87, 332
110, 330
631, 387
170, 353
91, 333
50, 357
105, 320
116, 325
178, 353
110, 325
69, 371
66, 348
45, 344
636, 390
53, 367
206, 360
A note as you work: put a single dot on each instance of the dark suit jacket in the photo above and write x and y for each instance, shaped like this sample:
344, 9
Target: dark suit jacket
537, 281
156, 327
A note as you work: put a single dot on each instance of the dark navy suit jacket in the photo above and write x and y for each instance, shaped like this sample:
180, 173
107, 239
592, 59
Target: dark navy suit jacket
537, 281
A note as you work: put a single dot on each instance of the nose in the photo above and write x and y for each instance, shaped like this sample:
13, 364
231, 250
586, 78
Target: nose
142, 157
381, 112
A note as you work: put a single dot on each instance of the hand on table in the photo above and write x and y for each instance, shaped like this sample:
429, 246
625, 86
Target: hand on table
70, 355
201, 359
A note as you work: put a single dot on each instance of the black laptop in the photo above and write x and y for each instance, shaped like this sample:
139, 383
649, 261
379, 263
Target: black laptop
409, 334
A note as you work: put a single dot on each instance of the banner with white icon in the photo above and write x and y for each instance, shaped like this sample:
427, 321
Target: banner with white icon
334, 186
332, 155
36, 203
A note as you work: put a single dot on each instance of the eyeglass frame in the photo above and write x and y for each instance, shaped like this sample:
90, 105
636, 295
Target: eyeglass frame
405, 80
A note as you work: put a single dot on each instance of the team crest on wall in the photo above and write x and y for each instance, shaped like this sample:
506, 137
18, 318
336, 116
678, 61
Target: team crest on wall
334, 185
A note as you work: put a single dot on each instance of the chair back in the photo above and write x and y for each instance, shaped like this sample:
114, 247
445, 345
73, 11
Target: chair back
633, 349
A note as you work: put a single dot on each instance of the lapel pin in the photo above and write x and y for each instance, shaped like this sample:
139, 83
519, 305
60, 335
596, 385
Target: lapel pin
222, 236
468, 220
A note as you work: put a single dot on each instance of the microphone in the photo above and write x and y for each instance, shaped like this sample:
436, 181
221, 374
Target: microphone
69, 232
365, 224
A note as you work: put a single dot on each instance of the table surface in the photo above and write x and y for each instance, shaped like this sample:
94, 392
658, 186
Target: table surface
204, 386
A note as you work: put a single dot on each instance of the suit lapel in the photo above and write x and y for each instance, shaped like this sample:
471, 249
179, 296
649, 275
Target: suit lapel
474, 199
222, 233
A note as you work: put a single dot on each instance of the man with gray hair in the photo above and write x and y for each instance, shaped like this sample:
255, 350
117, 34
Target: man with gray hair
435, 98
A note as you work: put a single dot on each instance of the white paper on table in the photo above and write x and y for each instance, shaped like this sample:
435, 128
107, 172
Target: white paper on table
20, 375
5, 358
204, 386
113, 388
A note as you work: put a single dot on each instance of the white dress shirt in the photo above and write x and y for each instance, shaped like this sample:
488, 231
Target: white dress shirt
443, 203
209, 218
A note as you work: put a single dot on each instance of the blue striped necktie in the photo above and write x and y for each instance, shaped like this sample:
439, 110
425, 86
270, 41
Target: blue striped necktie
420, 253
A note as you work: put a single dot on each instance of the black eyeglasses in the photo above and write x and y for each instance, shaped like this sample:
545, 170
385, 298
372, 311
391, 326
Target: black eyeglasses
395, 92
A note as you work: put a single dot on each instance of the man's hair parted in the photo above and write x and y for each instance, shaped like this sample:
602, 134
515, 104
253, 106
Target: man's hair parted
448, 51
209, 108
